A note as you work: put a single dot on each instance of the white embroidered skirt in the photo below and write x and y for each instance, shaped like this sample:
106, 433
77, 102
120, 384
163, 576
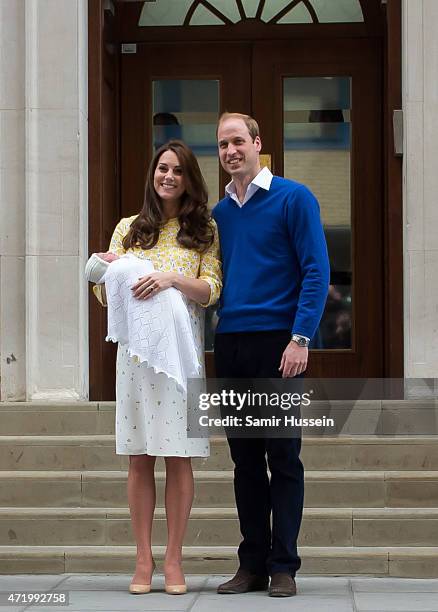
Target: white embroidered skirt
151, 413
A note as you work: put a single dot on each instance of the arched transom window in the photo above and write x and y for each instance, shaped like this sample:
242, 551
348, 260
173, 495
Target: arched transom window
228, 12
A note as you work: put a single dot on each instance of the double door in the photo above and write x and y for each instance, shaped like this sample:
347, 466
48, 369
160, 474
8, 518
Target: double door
318, 105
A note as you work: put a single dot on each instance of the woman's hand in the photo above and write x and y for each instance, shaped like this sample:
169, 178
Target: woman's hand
153, 283
108, 256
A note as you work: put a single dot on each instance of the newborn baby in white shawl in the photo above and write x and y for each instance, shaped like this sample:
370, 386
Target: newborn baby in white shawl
157, 330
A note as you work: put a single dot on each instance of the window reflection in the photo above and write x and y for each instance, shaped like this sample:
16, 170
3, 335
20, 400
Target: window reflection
166, 127
188, 109
317, 145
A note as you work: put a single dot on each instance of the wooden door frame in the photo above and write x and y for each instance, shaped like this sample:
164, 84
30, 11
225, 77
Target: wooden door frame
124, 30
393, 198
101, 42
95, 187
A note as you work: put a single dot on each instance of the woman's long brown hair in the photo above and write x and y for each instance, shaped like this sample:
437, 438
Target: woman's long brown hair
196, 231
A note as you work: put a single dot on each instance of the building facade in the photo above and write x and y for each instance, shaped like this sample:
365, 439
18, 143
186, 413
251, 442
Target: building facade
69, 166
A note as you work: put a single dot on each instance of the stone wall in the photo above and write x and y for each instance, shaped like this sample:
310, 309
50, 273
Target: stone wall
420, 103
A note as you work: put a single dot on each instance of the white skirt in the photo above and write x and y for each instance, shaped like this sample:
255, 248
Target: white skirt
151, 413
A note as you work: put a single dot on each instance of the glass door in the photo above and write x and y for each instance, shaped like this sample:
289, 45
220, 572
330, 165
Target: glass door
167, 93
172, 93
319, 111
317, 134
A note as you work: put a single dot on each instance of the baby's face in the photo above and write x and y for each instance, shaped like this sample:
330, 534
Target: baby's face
108, 256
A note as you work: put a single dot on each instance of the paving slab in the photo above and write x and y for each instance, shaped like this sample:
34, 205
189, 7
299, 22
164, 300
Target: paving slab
394, 585
261, 602
123, 601
319, 586
120, 582
98, 582
396, 602
29, 582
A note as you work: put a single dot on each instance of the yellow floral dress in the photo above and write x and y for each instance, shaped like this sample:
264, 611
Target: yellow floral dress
151, 414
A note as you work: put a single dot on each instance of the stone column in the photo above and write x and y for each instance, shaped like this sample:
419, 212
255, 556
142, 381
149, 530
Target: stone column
56, 133
12, 201
45, 158
420, 102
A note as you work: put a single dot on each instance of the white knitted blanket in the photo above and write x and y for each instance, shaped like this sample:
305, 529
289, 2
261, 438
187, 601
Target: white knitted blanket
157, 330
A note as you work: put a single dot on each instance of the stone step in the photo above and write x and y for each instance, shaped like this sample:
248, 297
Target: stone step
413, 562
96, 452
329, 489
207, 526
381, 417
69, 452
70, 418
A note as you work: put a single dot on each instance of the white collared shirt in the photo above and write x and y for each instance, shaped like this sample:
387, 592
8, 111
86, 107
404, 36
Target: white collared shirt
263, 179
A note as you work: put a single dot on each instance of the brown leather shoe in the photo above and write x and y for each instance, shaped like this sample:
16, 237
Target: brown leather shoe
282, 585
243, 582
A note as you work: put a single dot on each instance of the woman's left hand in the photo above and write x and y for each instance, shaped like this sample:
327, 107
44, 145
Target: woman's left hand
151, 284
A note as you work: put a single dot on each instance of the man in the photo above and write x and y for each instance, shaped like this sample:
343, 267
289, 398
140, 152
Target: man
276, 276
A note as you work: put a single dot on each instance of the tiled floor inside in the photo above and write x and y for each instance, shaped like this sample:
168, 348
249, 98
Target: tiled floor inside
108, 593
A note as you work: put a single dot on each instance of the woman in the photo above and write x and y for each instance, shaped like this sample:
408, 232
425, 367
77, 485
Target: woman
174, 232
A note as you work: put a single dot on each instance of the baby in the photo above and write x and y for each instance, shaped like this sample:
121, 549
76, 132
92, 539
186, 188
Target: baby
156, 330
97, 266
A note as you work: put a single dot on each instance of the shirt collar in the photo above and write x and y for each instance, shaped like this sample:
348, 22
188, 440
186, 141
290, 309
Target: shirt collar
263, 179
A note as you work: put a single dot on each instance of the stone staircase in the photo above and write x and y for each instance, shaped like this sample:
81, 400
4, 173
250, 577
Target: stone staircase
371, 503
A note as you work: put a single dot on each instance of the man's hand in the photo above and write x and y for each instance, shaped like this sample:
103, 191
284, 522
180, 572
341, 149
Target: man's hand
153, 283
293, 360
108, 256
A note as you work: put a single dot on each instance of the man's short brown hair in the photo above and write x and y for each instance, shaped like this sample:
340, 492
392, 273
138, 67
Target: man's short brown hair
250, 122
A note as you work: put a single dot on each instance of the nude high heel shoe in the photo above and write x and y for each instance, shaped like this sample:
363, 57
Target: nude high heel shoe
142, 589
175, 589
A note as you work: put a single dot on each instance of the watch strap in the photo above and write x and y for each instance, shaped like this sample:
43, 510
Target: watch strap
301, 340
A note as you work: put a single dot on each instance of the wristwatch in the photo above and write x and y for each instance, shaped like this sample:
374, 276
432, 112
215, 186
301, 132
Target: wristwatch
301, 340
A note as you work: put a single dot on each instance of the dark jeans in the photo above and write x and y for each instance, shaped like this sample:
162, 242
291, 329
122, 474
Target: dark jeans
262, 550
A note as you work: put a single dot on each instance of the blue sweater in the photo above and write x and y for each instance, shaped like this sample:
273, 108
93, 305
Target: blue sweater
275, 263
